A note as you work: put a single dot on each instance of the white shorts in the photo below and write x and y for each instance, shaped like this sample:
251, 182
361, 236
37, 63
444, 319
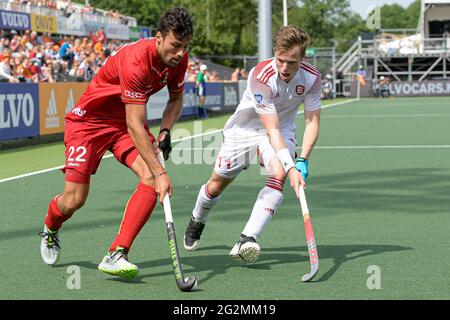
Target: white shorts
237, 153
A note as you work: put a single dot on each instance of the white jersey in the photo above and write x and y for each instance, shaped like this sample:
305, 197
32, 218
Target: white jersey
266, 93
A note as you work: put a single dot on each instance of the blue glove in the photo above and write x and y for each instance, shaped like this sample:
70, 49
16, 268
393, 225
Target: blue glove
302, 166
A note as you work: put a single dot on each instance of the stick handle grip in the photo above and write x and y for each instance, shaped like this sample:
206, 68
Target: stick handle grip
166, 202
302, 199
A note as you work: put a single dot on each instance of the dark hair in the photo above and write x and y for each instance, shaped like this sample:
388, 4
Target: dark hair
177, 20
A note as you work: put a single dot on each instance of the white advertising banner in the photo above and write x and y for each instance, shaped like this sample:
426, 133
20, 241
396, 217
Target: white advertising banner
420, 88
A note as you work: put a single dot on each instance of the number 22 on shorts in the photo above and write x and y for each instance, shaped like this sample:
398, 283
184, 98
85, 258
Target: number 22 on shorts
76, 154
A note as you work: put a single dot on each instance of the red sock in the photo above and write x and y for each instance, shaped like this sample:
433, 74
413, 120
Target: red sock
138, 210
55, 218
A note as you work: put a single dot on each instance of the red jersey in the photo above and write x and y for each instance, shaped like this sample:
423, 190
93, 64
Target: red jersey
130, 75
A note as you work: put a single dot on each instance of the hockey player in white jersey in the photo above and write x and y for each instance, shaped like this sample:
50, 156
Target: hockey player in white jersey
264, 123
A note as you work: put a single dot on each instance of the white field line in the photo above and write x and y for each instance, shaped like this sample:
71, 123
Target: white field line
332, 105
444, 146
368, 116
343, 147
174, 141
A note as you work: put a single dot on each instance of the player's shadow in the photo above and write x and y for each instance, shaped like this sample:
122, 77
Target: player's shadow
217, 264
269, 257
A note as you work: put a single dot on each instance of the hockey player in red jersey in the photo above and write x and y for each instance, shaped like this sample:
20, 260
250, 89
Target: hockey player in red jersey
111, 115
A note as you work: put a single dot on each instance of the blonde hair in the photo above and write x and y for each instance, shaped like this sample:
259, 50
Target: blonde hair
290, 36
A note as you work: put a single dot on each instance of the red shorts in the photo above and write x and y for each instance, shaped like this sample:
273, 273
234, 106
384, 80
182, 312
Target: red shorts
86, 143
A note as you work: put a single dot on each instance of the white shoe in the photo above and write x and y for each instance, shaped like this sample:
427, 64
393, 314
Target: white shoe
246, 250
116, 263
50, 248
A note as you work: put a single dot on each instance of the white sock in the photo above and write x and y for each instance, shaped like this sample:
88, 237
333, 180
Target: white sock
267, 203
205, 202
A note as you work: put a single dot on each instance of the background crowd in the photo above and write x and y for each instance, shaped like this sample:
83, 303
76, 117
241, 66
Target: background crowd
65, 8
29, 57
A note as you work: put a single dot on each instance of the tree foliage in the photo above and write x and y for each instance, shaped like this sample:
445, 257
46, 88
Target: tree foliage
229, 27
394, 16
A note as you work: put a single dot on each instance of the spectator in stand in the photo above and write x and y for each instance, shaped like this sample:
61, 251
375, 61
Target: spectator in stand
236, 75
327, 87
46, 74
244, 74
214, 76
51, 51
35, 70
98, 48
65, 52
24, 72
30, 45
100, 36
4, 44
46, 38
34, 39
88, 68
6, 74
25, 38
14, 44
382, 87
18, 59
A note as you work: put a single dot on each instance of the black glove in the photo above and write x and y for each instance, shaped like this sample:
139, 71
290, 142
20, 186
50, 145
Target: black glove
165, 145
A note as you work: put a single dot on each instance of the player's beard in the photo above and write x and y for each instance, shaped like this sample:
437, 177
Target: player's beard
173, 62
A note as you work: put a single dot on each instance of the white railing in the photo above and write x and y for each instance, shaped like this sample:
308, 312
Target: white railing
99, 18
436, 45
5, 5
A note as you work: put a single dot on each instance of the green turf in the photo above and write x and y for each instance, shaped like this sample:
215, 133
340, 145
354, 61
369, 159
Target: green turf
29, 159
385, 207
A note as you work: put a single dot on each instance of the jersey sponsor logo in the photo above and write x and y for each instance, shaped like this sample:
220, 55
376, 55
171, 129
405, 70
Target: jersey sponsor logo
133, 95
300, 89
79, 112
181, 84
258, 97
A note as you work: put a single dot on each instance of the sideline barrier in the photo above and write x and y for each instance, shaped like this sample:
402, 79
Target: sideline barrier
428, 88
19, 111
423, 88
55, 101
32, 110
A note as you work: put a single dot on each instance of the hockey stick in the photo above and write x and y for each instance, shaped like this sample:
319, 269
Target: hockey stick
310, 241
184, 284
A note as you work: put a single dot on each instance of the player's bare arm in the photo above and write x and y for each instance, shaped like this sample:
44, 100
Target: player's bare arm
271, 124
311, 134
136, 119
170, 117
173, 110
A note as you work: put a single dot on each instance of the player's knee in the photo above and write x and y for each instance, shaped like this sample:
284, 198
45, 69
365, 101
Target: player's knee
216, 185
73, 201
214, 189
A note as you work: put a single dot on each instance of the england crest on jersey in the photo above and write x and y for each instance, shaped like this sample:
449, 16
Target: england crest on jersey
300, 89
